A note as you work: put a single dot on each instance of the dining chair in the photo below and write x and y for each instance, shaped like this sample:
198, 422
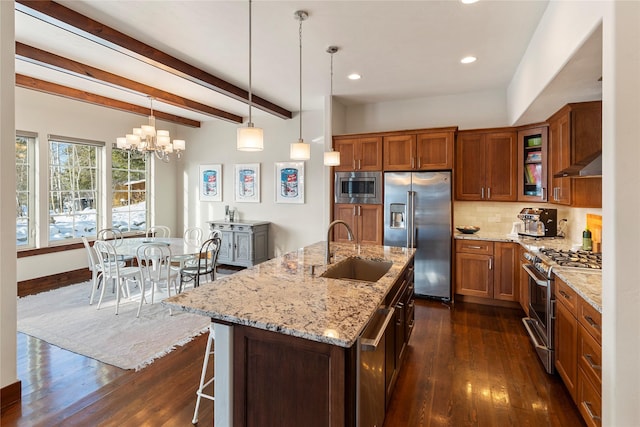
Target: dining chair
94, 266
115, 236
154, 262
112, 270
204, 264
158, 231
193, 235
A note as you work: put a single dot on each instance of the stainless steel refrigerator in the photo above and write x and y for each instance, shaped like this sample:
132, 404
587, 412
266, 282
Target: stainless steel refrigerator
417, 213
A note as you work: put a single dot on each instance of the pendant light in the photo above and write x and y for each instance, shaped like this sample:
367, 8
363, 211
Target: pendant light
250, 138
300, 150
331, 158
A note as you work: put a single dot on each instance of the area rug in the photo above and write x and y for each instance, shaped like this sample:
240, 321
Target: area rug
64, 318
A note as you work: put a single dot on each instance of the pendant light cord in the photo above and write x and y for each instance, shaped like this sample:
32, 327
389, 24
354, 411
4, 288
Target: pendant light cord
250, 94
300, 38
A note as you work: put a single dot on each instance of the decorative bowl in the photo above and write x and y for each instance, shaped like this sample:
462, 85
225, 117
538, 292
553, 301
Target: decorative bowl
468, 229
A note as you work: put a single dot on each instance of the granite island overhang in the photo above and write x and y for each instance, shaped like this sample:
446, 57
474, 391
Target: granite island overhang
312, 321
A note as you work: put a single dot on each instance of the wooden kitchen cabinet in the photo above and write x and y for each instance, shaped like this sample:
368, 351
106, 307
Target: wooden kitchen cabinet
532, 164
363, 153
566, 336
578, 351
486, 165
523, 281
419, 151
575, 133
487, 269
365, 222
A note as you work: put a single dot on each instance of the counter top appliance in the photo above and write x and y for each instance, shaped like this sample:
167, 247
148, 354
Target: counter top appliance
539, 222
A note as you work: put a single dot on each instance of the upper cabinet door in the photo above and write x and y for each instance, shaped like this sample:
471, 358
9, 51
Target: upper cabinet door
532, 165
470, 166
370, 154
434, 151
399, 152
347, 150
501, 158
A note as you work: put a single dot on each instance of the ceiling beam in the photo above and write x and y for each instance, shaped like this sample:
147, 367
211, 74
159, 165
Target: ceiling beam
69, 66
79, 95
76, 23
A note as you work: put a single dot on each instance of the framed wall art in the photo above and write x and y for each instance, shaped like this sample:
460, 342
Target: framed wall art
289, 182
210, 183
247, 182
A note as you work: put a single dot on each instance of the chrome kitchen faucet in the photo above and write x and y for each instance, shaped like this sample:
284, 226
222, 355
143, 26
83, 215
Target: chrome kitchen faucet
338, 221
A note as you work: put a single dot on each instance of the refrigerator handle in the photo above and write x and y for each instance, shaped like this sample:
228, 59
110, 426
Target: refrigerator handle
411, 215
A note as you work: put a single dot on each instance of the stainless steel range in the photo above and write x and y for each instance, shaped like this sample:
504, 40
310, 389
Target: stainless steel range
540, 322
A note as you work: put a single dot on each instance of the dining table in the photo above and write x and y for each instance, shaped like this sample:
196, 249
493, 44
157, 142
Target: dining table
181, 250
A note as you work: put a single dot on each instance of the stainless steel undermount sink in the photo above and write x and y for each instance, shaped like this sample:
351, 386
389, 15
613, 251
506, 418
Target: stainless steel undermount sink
354, 268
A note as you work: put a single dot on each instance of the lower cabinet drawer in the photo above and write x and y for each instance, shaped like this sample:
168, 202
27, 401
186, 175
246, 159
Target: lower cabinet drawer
589, 356
589, 400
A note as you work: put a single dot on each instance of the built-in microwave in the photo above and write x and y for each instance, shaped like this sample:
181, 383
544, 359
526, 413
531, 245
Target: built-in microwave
358, 187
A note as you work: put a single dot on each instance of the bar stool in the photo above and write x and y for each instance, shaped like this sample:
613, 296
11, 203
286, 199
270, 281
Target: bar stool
204, 383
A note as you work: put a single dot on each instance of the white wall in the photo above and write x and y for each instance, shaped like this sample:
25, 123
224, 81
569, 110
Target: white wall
292, 225
8, 289
467, 111
621, 204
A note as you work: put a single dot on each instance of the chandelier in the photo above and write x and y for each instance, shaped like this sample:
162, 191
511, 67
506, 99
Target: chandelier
147, 140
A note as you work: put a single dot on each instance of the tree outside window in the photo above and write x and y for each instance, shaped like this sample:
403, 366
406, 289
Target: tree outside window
129, 189
25, 144
73, 189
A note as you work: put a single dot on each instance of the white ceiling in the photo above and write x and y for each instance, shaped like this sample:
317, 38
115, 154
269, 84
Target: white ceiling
402, 49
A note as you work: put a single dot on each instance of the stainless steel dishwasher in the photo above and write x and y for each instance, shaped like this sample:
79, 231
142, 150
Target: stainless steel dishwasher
370, 399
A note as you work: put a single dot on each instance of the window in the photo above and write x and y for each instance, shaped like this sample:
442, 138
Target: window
129, 189
25, 184
73, 188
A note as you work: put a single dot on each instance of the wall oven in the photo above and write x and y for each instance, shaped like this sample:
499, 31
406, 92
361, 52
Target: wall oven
358, 187
540, 323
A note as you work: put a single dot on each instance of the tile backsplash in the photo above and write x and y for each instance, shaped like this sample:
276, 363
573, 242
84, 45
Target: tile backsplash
499, 217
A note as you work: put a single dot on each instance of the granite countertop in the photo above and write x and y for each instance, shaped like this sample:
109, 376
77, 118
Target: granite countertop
587, 283
282, 295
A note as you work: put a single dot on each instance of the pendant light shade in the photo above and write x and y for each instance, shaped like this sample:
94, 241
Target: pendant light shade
299, 150
250, 138
332, 158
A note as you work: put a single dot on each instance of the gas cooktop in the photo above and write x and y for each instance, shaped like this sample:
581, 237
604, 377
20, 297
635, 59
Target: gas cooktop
576, 259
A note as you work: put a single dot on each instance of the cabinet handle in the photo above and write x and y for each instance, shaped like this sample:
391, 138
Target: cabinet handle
565, 295
591, 322
587, 406
359, 165
490, 263
474, 247
354, 163
354, 210
482, 193
542, 190
488, 192
592, 363
411, 162
419, 163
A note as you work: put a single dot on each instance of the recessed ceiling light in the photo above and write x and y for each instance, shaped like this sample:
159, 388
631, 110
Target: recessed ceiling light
354, 76
468, 59
468, 1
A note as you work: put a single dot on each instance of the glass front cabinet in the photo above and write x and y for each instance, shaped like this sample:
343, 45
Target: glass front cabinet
532, 164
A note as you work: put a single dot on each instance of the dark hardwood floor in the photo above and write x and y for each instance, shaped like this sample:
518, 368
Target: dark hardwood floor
465, 366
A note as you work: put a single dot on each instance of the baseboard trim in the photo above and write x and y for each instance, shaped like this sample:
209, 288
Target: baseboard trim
55, 281
487, 301
10, 395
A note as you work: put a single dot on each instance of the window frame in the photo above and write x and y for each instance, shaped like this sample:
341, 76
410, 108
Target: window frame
32, 206
131, 154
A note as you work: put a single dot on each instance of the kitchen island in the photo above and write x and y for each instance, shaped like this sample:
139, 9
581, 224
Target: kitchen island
286, 336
